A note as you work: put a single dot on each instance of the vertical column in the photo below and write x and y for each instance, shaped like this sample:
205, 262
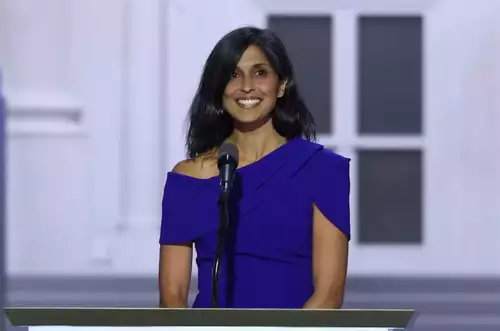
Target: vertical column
142, 178
496, 143
479, 104
345, 108
345, 78
3, 237
96, 46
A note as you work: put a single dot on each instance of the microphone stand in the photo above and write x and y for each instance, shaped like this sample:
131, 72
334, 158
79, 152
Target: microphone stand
221, 239
227, 163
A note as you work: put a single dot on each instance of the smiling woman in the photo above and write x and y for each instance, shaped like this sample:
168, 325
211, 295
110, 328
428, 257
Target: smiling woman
287, 241
246, 63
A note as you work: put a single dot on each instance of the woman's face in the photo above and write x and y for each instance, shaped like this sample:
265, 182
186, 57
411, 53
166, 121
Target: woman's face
251, 94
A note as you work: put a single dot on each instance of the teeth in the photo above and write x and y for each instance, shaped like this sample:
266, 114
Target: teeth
249, 102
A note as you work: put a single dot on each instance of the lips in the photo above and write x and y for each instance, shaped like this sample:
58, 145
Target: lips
248, 103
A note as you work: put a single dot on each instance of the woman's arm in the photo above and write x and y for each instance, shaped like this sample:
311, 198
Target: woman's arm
175, 275
330, 252
176, 260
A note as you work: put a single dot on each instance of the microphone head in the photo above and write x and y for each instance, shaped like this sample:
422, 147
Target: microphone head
228, 150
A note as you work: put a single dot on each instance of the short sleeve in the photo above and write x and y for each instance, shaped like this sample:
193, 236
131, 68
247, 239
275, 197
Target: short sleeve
185, 210
329, 188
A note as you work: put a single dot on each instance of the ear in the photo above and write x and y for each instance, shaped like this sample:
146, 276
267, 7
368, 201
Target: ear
282, 89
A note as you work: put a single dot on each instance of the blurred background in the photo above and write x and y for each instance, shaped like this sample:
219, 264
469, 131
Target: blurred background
96, 94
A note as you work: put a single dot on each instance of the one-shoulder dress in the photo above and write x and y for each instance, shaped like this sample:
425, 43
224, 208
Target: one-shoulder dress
267, 259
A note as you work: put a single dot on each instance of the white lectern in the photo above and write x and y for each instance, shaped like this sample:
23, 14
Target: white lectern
152, 319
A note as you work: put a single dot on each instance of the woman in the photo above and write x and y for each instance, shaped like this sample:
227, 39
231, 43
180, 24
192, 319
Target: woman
287, 246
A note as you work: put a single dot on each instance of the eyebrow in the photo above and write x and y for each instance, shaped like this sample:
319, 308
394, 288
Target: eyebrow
262, 65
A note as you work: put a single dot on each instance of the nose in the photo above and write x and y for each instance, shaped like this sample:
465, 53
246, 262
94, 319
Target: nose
248, 85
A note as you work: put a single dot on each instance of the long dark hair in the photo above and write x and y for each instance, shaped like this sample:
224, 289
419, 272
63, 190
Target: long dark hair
209, 125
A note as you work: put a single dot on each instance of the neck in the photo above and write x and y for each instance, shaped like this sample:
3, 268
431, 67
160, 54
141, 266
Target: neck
255, 144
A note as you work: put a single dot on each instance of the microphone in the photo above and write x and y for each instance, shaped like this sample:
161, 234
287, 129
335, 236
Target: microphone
227, 162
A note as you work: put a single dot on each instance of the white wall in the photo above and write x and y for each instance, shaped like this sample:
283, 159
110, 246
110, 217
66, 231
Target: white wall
48, 170
85, 137
98, 92
463, 103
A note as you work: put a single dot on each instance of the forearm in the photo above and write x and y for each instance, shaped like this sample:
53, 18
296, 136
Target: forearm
173, 305
173, 301
174, 296
320, 300
174, 275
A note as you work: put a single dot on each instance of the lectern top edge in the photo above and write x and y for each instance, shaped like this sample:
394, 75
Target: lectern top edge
139, 309
143, 317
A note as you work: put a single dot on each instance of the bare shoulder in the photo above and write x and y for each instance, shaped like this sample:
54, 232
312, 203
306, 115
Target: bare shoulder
186, 167
199, 167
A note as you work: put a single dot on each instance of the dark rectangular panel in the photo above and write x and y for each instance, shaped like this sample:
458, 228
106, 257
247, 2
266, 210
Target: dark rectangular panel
390, 196
390, 75
308, 43
218, 318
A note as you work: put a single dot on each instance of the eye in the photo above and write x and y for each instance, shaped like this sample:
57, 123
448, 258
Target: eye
234, 75
260, 73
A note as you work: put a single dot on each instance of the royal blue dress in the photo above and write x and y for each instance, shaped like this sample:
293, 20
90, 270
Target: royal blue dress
267, 262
